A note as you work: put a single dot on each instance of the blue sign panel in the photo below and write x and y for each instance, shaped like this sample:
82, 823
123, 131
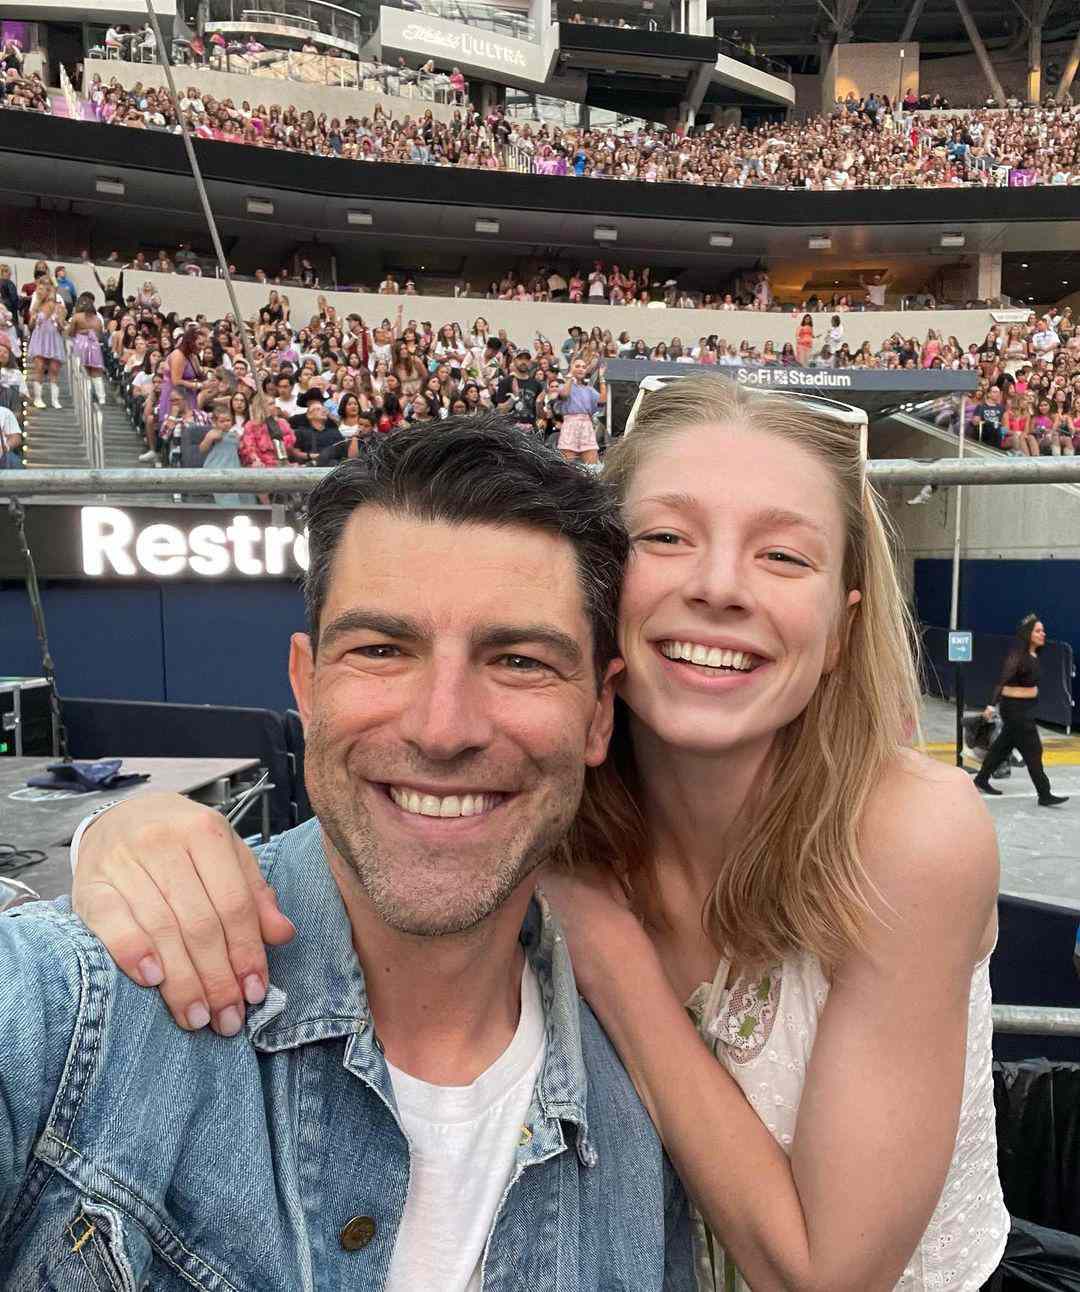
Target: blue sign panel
959, 648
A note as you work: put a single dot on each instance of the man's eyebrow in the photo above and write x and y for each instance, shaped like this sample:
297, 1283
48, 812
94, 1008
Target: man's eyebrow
375, 621
537, 633
402, 628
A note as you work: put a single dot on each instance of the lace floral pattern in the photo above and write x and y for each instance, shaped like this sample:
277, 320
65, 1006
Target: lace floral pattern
762, 1030
745, 1021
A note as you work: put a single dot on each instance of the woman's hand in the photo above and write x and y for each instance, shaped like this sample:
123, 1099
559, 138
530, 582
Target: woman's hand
989, 713
599, 927
179, 902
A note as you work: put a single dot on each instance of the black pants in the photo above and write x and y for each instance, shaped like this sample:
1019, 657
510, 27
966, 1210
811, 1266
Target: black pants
1018, 732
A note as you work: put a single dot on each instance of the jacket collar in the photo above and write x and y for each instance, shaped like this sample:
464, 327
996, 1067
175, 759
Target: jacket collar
317, 988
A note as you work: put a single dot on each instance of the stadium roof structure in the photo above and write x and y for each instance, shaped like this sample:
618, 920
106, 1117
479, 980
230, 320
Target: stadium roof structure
802, 27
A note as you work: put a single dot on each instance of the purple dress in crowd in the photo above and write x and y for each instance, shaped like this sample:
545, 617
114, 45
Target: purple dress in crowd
187, 394
87, 344
46, 341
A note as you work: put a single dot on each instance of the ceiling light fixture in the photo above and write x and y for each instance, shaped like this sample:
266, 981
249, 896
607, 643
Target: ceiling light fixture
953, 239
721, 239
113, 187
360, 217
487, 226
820, 242
259, 206
604, 233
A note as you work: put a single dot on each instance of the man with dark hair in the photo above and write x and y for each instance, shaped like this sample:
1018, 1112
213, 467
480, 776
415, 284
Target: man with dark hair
517, 392
417, 1099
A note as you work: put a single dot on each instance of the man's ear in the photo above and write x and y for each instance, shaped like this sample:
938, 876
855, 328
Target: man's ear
302, 674
603, 720
840, 638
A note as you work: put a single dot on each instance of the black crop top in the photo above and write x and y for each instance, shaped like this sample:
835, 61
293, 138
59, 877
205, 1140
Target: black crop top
1019, 670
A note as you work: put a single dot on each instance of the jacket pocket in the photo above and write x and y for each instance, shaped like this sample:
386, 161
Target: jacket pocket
98, 1251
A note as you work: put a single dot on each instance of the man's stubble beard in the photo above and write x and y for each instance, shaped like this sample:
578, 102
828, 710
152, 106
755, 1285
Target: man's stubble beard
437, 912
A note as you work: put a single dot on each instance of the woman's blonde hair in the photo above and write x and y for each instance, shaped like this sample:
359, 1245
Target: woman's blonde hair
792, 877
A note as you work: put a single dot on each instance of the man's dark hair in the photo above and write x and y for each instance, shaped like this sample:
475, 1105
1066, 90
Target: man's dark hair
477, 471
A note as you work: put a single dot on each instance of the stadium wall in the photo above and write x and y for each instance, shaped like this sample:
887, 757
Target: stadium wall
186, 643
191, 296
268, 90
960, 79
995, 596
874, 67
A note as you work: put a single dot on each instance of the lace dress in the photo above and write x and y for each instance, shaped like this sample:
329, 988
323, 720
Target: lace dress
762, 1030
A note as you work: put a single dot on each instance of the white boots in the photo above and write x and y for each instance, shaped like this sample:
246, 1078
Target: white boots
37, 390
97, 385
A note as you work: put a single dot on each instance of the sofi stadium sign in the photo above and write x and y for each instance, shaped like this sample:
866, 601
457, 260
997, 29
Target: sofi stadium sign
114, 545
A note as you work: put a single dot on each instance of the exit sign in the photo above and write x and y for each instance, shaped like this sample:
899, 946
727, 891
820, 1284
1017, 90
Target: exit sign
959, 648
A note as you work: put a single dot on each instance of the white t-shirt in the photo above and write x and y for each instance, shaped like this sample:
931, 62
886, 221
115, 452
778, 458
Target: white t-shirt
9, 428
464, 1142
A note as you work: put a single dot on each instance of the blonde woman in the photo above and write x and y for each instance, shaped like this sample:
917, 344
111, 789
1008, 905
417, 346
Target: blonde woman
759, 847
47, 317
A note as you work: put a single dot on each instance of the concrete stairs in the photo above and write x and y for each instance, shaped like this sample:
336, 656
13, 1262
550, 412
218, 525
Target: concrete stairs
53, 439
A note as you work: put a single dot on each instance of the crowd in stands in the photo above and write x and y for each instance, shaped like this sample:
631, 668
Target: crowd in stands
861, 144
365, 378
320, 385
18, 88
1027, 401
599, 284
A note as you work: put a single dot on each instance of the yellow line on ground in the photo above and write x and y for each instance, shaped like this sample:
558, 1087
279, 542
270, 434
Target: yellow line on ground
1051, 756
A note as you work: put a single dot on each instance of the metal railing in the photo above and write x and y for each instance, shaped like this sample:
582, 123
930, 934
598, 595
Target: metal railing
743, 54
315, 16
473, 14
295, 480
87, 411
74, 103
338, 70
1036, 1020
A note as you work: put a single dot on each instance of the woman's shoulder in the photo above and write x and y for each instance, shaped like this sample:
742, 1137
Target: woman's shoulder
925, 828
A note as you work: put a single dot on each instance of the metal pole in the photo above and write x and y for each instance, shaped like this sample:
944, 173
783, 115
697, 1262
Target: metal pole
914, 14
1069, 74
74, 485
954, 607
200, 188
1037, 1020
980, 52
37, 613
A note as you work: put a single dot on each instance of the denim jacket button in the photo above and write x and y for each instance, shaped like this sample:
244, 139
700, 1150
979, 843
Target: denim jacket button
358, 1233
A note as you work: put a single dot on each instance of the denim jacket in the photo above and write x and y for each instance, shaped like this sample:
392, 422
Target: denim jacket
135, 1156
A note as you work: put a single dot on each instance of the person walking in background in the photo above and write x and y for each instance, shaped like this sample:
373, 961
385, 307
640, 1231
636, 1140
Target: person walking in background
1018, 690
46, 350
182, 373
